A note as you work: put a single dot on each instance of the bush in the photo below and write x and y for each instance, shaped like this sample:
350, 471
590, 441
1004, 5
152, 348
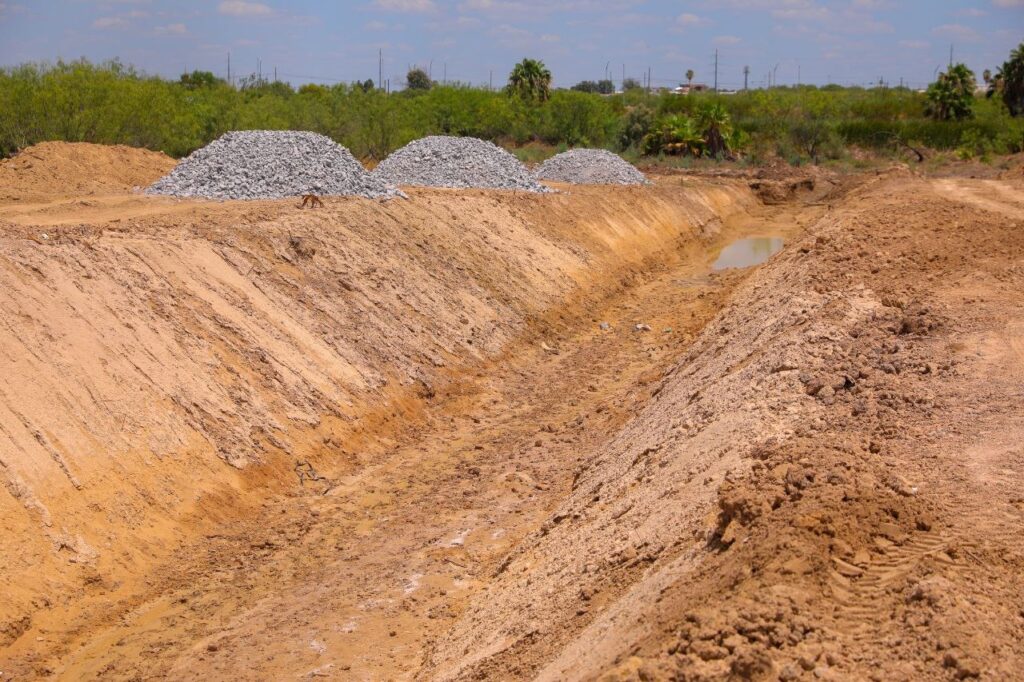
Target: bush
113, 103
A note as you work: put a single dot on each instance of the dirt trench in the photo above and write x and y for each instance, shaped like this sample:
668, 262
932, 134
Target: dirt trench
805, 470
182, 369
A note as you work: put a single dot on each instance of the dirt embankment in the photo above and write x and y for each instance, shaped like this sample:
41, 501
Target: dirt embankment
169, 364
50, 170
827, 485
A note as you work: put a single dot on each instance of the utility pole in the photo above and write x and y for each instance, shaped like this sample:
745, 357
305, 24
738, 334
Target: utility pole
229, 68
444, 81
746, 73
716, 70
490, 81
798, 75
380, 68
951, 55
275, 74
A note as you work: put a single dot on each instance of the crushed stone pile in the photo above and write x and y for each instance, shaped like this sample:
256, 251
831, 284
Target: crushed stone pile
441, 161
271, 164
590, 167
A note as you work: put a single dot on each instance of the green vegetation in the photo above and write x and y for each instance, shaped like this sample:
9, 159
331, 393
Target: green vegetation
603, 87
418, 79
951, 97
1008, 82
530, 80
112, 103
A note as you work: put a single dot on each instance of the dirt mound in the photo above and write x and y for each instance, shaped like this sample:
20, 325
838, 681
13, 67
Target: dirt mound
58, 169
825, 487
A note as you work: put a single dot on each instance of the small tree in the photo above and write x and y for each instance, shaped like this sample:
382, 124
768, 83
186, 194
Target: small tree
689, 77
586, 86
199, 79
716, 127
631, 84
530, 80
605, 87
677, 135
951, 97
638, 123
1008, 82
417, 79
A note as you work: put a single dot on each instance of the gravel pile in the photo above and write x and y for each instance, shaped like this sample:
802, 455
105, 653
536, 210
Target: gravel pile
440, 161
590, 167
270, 164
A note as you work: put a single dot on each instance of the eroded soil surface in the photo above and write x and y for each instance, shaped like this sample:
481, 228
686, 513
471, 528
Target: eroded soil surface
808, 469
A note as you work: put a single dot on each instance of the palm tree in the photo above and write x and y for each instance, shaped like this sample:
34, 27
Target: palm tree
530, 80
689, 78
1008, 82
716, 125
674, 135
952, 95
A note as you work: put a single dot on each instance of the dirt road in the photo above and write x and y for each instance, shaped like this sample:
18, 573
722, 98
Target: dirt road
810, 469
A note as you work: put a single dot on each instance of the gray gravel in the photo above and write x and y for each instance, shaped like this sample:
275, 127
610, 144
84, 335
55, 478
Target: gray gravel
271, 164
589, 167
440, 161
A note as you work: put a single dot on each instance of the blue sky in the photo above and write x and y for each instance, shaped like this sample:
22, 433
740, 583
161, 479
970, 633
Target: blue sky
846, 41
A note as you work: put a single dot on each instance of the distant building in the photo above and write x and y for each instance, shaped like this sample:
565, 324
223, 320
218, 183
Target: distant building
685, 89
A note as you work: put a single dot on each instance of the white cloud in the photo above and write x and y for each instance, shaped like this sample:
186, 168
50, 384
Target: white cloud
405, 5
726, 40
241, 8
1008, 3
549, 38
914, 44
970, 12
688, 19
172, 30
110, 22
493, 6
957, 32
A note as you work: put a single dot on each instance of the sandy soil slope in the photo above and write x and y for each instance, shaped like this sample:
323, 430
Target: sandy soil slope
395, 441
169, 365
829, 482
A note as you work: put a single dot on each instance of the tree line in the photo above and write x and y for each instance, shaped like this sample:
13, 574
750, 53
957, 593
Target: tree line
112, 103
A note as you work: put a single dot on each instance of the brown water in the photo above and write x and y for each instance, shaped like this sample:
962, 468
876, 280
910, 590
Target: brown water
746, 252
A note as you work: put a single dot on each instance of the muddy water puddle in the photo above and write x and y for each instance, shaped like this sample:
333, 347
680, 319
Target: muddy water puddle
744, 253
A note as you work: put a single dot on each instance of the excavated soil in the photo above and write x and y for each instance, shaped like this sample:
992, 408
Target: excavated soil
74, 169
485, 435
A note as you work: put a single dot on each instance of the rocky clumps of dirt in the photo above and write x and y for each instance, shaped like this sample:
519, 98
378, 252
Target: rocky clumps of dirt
458, 162
589, 167
271, 164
